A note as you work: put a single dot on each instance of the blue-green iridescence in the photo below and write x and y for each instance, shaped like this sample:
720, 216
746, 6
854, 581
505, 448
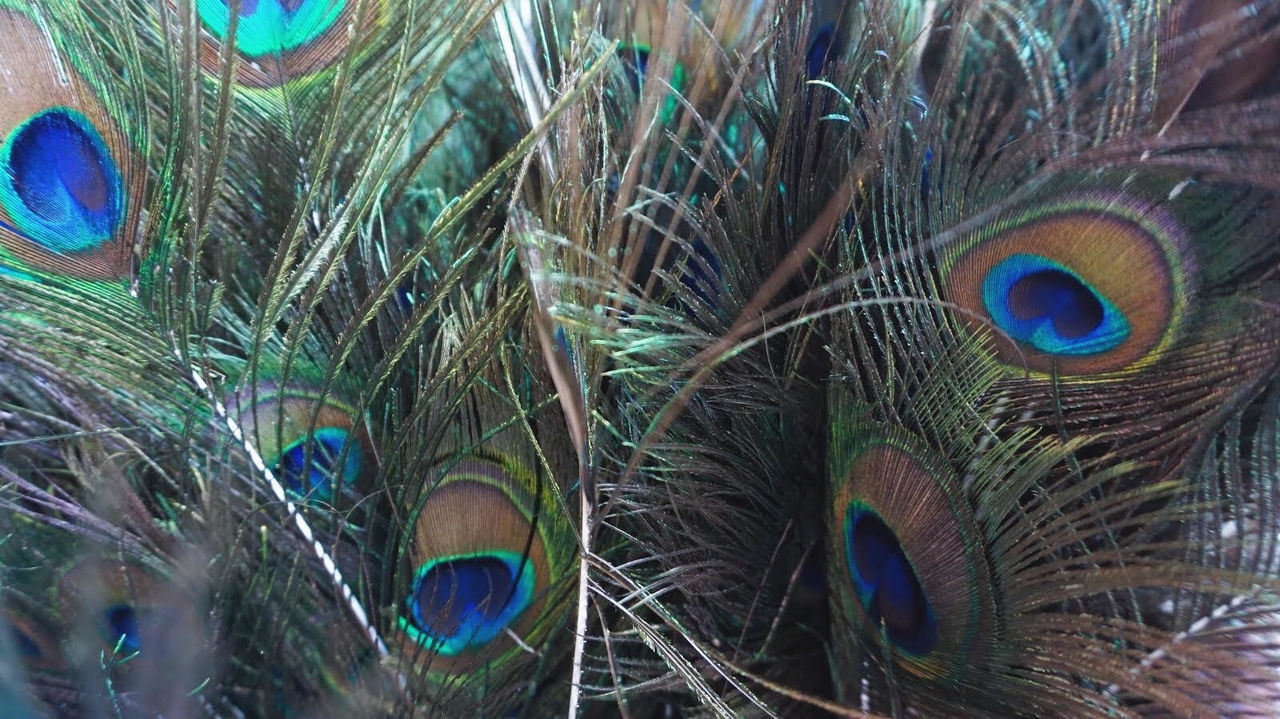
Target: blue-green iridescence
635, 62
8, 271
270, 27
1041, 303
316, 479
464, 602
58, 182
886, 584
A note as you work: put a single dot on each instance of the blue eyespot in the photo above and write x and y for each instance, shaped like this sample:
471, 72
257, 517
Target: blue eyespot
819, 53
317, 478
886, 584
121, 626
1039, 302
461, 603
158, 632
58, 182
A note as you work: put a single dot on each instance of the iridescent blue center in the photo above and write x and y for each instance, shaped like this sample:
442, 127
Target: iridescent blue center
461, 603
159, 632
121, 627
820, 49
316, 478
1041, 303
58, 182
886, 584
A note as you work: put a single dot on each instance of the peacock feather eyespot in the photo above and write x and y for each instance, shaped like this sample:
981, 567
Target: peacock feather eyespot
316, 464
271, 27
1084, 285
908, 566
312, 468
464, 602
885, 582
31, 643
132, 613
27, 646
119, 625
70, 180
486, 550
60, 186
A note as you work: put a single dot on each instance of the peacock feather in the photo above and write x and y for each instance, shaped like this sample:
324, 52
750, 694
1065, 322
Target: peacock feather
779, 358
279, 42
72, 181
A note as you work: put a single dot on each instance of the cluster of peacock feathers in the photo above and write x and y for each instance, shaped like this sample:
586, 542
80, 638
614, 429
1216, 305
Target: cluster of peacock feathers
668, 358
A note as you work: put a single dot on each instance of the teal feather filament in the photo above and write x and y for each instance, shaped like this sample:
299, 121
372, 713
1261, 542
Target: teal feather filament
8, 271
60, 186
270, 27
461, 603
